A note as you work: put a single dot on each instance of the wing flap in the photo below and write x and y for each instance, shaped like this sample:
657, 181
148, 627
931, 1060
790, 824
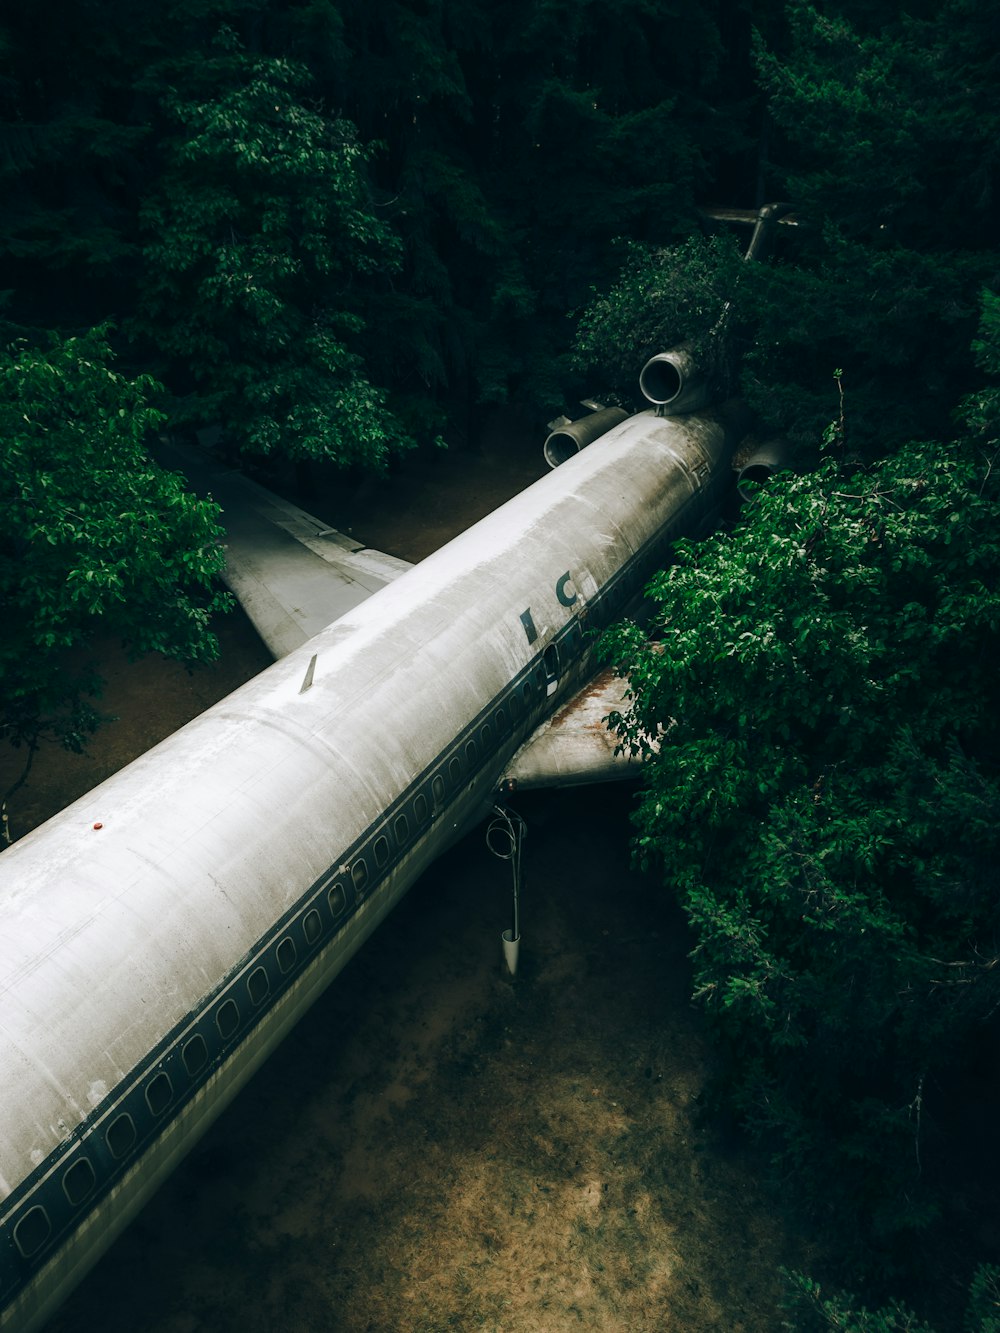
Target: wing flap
574, 746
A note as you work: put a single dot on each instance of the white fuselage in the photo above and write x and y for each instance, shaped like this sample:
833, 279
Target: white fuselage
148, 966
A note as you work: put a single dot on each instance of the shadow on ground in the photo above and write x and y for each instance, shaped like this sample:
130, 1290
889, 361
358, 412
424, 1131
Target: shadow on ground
437, 1147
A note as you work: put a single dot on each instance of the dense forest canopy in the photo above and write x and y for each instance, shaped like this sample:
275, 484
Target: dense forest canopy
341, 230
335, 230
418, 192
377, 218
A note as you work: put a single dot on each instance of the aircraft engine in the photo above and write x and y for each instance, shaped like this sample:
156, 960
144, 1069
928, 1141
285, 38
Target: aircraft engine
774, 455
676, 381
569, 439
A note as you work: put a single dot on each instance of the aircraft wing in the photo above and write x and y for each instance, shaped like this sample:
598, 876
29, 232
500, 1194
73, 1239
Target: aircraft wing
574, 745
291, 573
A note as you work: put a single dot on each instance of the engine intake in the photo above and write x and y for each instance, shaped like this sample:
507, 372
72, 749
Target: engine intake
565, 441
772, 456
675, 381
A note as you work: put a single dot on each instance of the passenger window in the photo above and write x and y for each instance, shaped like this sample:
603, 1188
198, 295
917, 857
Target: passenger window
401, 828
359, 873
500, 718
381, 850
285, 952
258, 984
485, 737
194, 1054
437, 787
78, 1181
526, 691
337, 898
470, 753
159, 1093
420, 808
455, 770
312, 926
227, 1020
32, 1231
120, 1135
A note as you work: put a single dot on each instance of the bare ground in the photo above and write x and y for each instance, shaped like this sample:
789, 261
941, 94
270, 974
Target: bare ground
437, 1147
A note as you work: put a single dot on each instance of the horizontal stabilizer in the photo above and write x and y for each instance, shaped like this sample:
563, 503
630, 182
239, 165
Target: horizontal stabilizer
291, 573
574, 746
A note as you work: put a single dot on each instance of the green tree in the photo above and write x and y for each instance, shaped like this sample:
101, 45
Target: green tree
258, 228
886, 131
690, 293
520, 142
812, 1311
819, 714
96, 538
75, 153
517, 143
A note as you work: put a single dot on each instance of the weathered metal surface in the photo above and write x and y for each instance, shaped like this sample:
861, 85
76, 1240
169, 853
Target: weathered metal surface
763, 462
575, 746
227, 875
676, 381
569, 437
292, 573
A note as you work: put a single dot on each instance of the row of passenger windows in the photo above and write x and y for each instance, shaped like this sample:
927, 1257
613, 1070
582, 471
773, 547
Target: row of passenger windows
79, 1179
449, 776
121, 1135
614, 596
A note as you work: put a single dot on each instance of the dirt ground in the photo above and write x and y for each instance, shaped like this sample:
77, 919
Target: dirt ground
436, 1146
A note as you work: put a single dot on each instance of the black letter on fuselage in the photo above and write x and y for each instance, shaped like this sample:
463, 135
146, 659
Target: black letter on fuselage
564, 598
529, 625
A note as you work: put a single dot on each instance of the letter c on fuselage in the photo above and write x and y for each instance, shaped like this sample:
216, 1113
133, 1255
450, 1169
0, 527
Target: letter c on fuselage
564, 591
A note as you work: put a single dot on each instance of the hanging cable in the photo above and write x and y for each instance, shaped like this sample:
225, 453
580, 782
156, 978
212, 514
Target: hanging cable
505, 835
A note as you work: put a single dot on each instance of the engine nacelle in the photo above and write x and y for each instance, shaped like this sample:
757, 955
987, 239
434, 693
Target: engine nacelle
676, 381
774, 455
565, 441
